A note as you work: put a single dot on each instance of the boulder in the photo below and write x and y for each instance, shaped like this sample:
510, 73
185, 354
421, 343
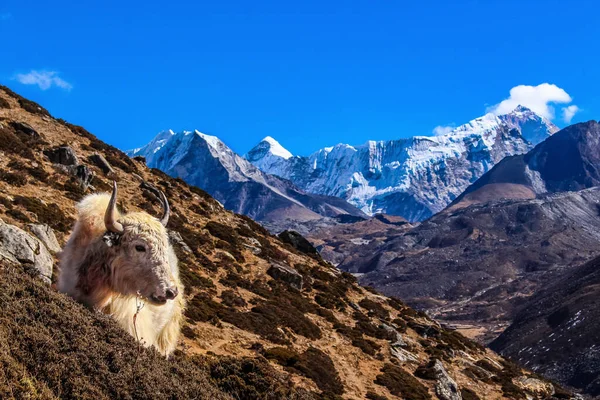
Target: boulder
286, 274
445, 387
99, 161
19, 247
63, 155
46, 235
298, 242
177, 241
535, 386
25, 128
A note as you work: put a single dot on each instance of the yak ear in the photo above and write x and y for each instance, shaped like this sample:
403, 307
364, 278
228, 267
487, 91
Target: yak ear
111, 238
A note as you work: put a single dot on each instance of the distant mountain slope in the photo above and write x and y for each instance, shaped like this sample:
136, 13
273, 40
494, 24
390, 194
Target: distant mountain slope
569, 160
557, 333
205, 161
415, 177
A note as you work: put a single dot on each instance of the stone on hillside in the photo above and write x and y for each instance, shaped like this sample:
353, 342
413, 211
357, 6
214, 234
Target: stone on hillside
445, 387
63, 155
298, 242
177, 240
25, 128
19, 247
46, 235
286, 274
99, 161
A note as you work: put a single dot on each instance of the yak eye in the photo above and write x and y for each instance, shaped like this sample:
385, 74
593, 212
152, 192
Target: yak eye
140, 248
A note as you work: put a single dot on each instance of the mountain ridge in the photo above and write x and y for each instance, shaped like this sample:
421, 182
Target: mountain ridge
413, 177
205, 161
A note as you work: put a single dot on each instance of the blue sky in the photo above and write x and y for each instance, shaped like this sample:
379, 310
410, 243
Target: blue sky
310, 74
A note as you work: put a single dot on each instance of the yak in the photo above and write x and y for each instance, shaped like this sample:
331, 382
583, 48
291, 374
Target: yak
123, 265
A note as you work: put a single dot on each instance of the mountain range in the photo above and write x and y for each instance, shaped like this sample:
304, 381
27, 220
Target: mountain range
413, 177
206, 162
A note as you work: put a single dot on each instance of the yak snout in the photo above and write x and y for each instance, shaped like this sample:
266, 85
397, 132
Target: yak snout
161, 297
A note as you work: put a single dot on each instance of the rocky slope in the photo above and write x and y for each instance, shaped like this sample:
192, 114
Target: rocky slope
567, 161
475, 267
206, 162
557, 332
264, 320
415, 177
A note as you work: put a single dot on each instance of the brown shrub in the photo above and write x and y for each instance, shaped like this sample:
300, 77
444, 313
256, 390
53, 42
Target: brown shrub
468, 394
232, 299
316, 365
401, 383
11, 143
49, 214
375, 396
253, 379
52, 347
18, 178
4, 103
375, 309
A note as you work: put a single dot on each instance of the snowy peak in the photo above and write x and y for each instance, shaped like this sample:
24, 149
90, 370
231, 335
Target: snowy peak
412, 177
268, 148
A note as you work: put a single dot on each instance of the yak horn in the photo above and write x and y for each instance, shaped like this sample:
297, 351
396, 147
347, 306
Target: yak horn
163, 201
109, 217
166, 210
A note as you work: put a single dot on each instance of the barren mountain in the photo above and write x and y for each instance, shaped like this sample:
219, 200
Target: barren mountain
264, 320
557, 332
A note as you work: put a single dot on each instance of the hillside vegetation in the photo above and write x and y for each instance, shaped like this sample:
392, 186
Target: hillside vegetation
264, 320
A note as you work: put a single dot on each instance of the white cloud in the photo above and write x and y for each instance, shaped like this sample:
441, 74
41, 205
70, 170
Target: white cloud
569, 112
442, 130
44, 79
537, 98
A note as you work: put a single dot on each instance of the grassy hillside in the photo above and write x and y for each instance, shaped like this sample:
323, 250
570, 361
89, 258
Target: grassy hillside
246, 334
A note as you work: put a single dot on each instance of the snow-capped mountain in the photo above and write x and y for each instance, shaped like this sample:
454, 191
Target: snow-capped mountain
413, 177
205, 161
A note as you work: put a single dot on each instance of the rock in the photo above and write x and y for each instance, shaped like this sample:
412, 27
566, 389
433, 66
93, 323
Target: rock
46, 235
403, 355
19, 247
298, 242
99, 161
445, 387
63, 155
398, 342
84, 174
177, 240
286, 274
253, 245
25, 128
141, 159
535, 386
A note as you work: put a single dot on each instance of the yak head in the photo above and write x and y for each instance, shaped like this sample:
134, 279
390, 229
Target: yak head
141, 260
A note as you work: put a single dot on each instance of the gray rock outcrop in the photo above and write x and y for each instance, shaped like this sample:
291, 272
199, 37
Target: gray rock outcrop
19, 247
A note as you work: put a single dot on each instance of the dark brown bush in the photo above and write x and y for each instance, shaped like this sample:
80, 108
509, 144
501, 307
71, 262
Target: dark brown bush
49, 214
4, 103
18, 178
317, 365
375, 309
375, 396
401, 383
232, 299
52, 347
468, 394
11, 143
